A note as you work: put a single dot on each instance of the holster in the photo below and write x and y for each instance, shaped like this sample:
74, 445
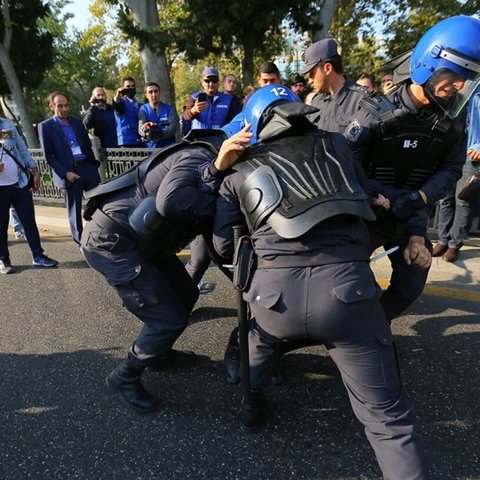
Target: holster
91, 206
244, 263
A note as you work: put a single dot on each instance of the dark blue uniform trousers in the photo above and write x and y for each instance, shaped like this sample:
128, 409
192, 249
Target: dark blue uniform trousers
73, 195
160, 293
199, 260
407, 281
21, 199
337, 305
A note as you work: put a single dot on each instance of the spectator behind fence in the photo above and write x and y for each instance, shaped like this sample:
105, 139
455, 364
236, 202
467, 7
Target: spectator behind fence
209, 108
68, 150
455, 215
297, 85
100, 118
268, 74
386, 83
246, 92
229, 87
15, 160
126, 108
367, 80
157, 121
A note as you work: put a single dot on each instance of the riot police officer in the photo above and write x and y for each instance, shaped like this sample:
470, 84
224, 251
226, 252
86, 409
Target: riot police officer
137, 223
301, 194
412, 146
337, 96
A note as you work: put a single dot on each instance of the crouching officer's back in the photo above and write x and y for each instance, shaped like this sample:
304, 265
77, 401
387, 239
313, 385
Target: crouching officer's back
300, 193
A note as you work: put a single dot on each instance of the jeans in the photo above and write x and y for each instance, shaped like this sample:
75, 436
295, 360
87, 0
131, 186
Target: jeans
15, 221
454, 215
21, 199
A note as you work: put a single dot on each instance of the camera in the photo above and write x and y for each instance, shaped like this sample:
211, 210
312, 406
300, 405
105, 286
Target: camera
128, 91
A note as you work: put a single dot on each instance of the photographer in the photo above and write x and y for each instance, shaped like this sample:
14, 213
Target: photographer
157, 121
126, 108
100, 118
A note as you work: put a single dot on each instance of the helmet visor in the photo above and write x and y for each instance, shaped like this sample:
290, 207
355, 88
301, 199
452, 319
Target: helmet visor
451, 91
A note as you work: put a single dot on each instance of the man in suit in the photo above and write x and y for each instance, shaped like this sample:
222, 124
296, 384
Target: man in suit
68, 151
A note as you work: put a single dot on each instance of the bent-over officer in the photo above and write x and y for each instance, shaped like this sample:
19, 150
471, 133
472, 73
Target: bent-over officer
138, 222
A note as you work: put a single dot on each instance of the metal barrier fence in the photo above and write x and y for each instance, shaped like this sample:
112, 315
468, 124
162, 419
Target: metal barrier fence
115, 161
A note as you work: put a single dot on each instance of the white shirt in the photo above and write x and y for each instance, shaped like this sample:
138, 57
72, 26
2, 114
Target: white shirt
9, 176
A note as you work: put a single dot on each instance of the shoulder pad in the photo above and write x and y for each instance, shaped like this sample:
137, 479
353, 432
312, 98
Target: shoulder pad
382, 109
376, 104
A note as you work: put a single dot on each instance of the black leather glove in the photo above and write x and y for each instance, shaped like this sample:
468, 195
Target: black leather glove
407, 204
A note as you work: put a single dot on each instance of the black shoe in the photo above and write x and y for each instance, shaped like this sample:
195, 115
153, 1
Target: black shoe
252, 411
231, 359
124, 380
174, 359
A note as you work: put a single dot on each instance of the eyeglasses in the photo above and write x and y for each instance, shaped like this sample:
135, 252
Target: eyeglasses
210, 80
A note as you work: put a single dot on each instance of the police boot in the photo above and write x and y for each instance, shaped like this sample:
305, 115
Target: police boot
231, 359
124, 380
252, 411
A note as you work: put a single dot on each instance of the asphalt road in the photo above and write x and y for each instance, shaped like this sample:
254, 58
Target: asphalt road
63, 330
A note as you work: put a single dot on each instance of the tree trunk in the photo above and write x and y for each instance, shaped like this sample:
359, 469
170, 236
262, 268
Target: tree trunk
154, 65
13, 82
247, 63
324, 19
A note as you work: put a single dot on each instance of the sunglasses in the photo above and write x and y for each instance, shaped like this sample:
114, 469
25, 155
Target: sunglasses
210, 80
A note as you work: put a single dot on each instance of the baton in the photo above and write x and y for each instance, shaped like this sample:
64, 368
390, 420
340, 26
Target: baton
384, 254
239, 237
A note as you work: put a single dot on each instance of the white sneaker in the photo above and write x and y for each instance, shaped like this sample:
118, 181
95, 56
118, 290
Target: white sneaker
6, 267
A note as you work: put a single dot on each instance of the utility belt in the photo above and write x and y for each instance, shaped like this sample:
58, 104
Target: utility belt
104, 220
331, 255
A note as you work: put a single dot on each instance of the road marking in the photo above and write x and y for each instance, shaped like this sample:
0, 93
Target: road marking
437, 291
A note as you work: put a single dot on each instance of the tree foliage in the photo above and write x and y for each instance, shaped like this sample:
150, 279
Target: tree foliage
409, 19
31, 49
243, 29
83, 59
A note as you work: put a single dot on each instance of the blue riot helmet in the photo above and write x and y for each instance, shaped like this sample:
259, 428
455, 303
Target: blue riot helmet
258, 108
446, 62
235, 125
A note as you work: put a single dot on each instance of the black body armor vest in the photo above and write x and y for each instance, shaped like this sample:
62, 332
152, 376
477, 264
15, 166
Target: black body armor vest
406, 148
295, 182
